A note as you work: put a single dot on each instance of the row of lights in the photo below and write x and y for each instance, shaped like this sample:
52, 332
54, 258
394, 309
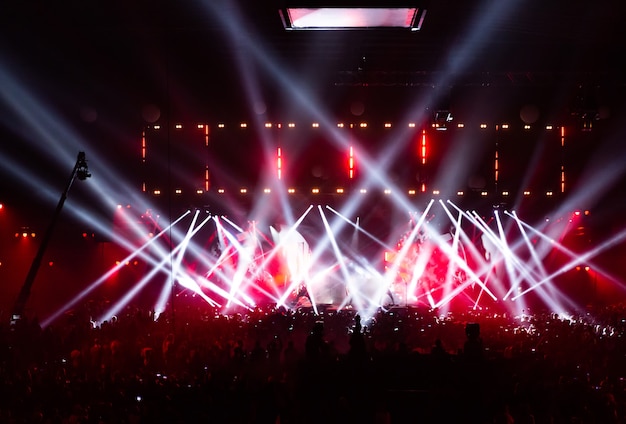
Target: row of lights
351, 125
179, 191
341, 190
25, 233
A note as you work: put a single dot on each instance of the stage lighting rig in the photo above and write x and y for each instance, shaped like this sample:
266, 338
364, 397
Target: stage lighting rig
441, 119
442, 115
585, 109
502, 206
81, 171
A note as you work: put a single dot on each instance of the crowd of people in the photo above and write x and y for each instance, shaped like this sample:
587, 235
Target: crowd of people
273, 365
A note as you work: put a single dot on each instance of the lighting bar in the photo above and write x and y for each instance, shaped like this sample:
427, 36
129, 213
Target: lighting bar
351, 163
423, 148
279, 163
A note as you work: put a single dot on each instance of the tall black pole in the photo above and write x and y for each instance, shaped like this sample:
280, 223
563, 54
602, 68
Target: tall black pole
80, 170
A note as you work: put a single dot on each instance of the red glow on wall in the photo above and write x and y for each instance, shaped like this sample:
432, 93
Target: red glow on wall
562, 166
279, 163
496, 167
351, 163
207, 174
423, 151
143, 146
143, 156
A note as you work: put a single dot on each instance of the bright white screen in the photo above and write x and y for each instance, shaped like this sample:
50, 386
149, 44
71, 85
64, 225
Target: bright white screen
341, 18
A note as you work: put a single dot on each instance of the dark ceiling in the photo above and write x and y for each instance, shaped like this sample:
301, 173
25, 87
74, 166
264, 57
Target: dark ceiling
166, 51
96, 67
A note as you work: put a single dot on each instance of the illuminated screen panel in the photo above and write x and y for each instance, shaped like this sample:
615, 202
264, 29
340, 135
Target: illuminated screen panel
337, 18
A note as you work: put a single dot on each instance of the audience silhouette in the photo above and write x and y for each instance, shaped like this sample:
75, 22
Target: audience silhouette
400, 365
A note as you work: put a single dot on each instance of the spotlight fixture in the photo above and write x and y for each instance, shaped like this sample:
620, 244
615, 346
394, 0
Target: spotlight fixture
585, 109
586, 120
500, 206
82, 171
441, 119
441, 112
